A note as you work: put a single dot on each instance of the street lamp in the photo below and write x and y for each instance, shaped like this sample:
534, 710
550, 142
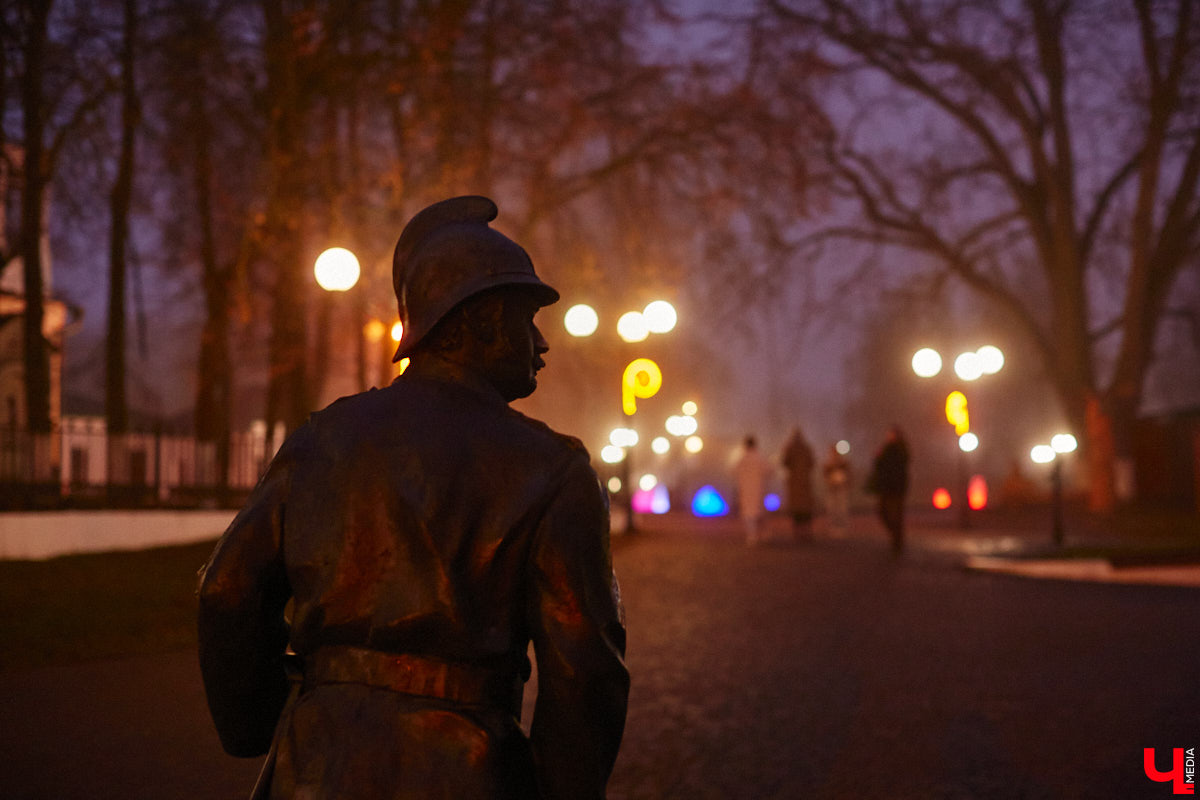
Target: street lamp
581, 320
1060, 444
337, 270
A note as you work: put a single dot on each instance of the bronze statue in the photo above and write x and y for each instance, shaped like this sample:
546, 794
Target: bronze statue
424, 534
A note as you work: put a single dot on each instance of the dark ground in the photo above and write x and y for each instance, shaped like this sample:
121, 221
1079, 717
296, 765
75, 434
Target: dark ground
828, 670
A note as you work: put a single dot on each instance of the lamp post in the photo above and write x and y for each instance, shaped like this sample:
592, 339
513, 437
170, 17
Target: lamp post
640, 379
1060, 444
968, 366
337, 270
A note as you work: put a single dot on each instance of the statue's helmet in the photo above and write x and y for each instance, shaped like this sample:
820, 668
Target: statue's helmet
446, 254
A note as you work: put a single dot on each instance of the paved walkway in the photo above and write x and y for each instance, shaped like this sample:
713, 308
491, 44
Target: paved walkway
826, 670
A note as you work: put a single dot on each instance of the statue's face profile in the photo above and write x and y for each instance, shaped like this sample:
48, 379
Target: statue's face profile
517, 355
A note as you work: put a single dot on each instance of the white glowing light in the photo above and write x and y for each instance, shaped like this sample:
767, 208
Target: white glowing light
1042, 454
693, 444
991, 359
660, 316
661, 445
623, 437
967, 366
1064, 443
690, 408
336, 270
647, 482
968, 442
614, 484
682, 425
397, 331
632, 327
926, 362
611, 454
843, 447
581, 320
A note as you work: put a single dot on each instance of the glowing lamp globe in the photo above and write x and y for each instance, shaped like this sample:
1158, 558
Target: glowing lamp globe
614, 484
690, 408
336, 270
991, 359
661, 445
647, 482
693, 444
968, 442
632, 327
1042, 454
967, 366
926, 362
611, 454
581, 320
659, 316
843, 447
1064, 443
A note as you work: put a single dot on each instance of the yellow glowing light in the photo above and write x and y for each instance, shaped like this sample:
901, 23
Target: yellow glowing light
374, 331
926, 362
690, 408
991, 359
614, 484
642, 379
693, 444
336, 270
647, 482
941, 498
661, 445
1042, 454
631, 327
660, 316
581, 320
397, 331
956, 412
1064, 443
402, 365
611, 454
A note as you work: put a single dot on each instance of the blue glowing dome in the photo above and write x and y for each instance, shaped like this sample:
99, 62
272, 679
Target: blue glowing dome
771, 502
708, 502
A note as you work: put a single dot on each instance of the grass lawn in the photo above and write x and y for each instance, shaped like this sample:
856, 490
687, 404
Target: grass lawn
104, 605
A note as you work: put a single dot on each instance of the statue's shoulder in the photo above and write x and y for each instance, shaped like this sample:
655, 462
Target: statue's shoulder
538, 428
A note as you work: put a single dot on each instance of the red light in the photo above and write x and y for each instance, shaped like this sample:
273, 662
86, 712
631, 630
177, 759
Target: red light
977, 492
941, 499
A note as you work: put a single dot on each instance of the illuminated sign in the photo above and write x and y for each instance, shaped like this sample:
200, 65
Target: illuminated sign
956, 412
642, 379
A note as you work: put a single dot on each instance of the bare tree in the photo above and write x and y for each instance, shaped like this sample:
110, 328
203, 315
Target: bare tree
1034, 151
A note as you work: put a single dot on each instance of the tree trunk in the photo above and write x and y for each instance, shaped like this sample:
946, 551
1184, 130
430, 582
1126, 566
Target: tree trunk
37, 357
116, 411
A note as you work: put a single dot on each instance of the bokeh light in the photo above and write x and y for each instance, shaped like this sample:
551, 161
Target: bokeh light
397, 331
681, 425
1042, 454
843, 447
968, 442
581, 320
623, 437
991, 359
772, 502
336, 270
690, 408
374, 331
967, 366
926, 362
693, 444
1064, 443
611, 454
614, 484
659, 316
707, 502
647, 482
632, 327
977, 492
661, 445
941, 498
652, 501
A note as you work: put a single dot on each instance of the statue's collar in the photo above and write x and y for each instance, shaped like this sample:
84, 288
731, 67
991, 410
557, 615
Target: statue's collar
437, 368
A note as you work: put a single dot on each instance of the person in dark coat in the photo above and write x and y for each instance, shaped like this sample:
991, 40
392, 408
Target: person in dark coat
889, 480
424, 534
798, 462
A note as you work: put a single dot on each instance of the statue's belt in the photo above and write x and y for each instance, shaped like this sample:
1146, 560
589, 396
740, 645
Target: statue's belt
420, 676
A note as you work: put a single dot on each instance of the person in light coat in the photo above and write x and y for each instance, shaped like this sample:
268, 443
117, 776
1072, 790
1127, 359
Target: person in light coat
751, 474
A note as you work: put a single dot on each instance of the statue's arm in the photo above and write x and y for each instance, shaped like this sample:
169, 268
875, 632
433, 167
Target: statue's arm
579, 639
242, 633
